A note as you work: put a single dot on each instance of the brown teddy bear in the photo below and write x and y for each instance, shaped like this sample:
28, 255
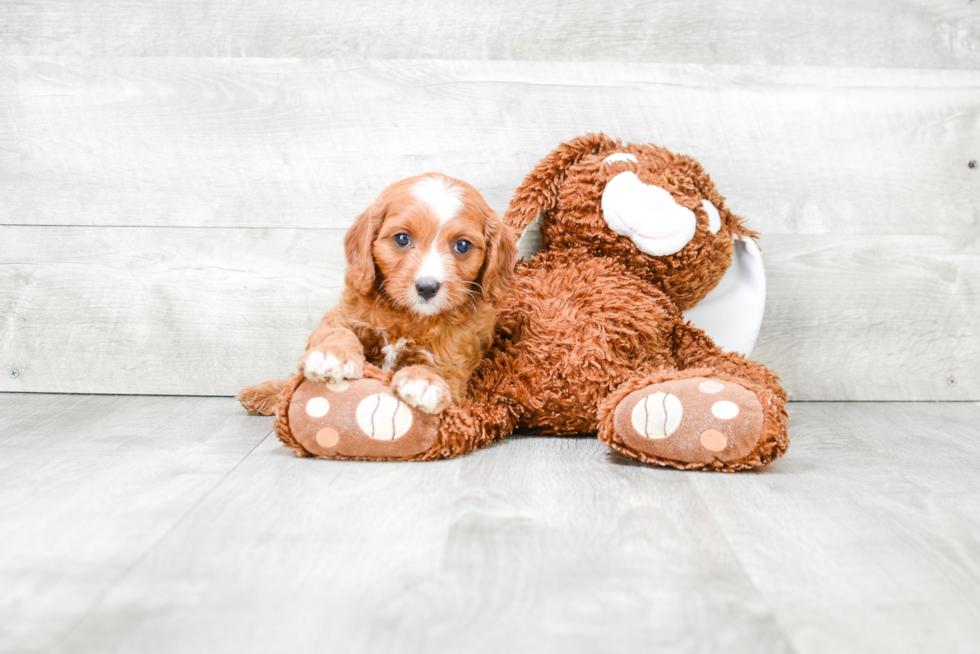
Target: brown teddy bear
593, 339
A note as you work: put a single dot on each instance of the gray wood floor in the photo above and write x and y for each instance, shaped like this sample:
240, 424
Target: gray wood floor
150, 524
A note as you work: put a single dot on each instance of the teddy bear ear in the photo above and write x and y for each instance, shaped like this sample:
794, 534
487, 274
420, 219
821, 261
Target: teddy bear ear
736, 227
539, 191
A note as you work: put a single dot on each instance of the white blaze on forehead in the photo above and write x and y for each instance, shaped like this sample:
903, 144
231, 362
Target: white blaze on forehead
619, 156
433, 265
442, 196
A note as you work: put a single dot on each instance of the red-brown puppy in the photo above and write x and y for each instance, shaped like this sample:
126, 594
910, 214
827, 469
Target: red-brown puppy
427, 265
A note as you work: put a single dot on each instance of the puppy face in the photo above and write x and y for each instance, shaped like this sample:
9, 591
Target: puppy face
431, 244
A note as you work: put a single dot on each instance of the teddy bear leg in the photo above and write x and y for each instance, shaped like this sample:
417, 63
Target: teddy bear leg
352, 419
479, 421
363, 419
699, 418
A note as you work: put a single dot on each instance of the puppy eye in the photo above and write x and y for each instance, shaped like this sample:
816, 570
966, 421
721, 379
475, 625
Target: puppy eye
402, 240
462, 246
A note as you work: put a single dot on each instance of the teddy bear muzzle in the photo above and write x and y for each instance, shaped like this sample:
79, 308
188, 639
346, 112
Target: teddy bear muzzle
648, 215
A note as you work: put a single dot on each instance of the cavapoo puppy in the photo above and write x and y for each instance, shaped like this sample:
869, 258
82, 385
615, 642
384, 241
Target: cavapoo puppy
427, 265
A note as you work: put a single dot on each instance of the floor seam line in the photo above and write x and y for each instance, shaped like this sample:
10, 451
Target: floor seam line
59, 642
741, 566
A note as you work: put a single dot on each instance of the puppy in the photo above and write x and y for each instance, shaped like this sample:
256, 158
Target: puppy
427, 265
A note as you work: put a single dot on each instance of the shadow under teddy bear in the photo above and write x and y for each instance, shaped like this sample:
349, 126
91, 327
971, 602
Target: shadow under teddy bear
593, 338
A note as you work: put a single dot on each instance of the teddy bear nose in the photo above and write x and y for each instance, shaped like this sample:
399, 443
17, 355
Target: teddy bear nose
427, 288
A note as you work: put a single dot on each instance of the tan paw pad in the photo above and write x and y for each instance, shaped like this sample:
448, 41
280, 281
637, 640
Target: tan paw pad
657, 416
361, 418
694, 420
714, 440
317, 407
327, 437
711, 386
383, 417
724, 410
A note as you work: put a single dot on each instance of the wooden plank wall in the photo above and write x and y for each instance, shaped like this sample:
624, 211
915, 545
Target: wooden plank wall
175, 178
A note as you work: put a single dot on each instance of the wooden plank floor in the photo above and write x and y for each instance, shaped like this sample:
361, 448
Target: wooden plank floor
149, 524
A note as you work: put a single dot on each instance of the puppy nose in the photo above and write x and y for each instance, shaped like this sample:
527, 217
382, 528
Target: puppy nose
427, 288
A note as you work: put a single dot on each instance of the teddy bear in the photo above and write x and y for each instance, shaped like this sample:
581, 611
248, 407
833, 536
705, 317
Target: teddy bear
593, 339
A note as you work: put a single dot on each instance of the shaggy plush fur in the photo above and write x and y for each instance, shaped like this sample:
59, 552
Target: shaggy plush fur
592, 318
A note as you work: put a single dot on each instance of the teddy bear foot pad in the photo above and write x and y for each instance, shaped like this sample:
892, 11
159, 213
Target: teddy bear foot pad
694, 420
359, 418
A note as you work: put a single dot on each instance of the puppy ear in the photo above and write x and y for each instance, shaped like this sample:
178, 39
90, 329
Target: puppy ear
497, 275
359, 247
539, 191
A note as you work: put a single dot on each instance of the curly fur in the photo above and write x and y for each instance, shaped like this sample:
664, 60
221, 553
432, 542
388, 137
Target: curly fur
593, 318
381, 319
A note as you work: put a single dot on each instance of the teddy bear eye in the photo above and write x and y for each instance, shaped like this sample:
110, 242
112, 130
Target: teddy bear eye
462, 246
619, 156
402, 240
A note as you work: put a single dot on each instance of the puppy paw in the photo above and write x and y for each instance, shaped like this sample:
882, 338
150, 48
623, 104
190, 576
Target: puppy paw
422, 389
331, 364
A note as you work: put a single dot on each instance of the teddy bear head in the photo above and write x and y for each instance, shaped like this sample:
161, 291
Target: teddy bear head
656, 211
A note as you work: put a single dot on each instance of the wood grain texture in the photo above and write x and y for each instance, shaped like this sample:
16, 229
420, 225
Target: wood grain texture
862, 539
865, 537
887, 33
310, 143
161, 311
561, 546
88, 485
947, 473
294, 560
872, 318
531, 546
208, 311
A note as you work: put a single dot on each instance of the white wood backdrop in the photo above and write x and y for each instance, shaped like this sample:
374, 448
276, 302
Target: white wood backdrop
175, 178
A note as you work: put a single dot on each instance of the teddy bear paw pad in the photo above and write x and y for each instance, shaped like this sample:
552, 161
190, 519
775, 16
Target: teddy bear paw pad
695, 420
358, 418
